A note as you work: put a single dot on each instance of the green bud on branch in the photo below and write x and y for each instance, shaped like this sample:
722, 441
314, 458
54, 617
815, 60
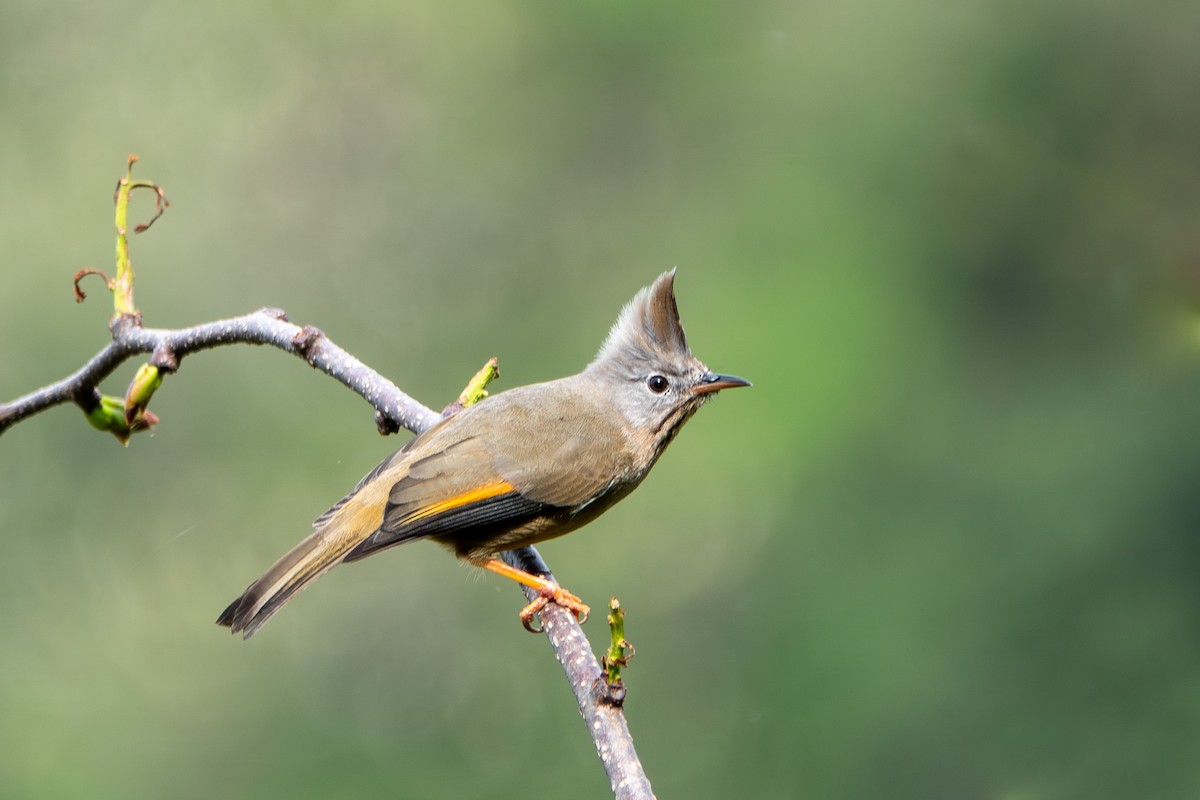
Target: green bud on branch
108, 414
143, 386
476, 388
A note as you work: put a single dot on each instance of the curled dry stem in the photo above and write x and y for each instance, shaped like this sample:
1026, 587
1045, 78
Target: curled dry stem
80, 295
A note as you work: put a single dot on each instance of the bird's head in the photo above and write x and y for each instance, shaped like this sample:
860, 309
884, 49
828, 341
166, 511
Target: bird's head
648, 369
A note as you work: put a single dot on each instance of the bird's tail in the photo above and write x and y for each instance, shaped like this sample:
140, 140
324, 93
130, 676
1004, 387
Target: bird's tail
299, 567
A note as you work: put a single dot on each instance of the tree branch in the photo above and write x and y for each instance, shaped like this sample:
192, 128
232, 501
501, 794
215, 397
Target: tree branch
394, 408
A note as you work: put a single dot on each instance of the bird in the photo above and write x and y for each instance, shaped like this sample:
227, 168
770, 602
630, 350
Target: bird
516, 468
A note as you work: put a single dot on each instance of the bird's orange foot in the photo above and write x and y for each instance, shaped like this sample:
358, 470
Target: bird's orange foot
559, 596
548, 592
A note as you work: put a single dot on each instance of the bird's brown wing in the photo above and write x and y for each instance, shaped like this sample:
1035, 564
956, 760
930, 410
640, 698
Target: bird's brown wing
380, 468
455, 490
560, 444
501, 476
580, 462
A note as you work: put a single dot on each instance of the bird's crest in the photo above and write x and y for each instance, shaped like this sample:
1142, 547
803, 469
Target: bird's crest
648, 327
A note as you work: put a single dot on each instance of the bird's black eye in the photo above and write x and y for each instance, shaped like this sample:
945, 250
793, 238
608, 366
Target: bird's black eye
658, 384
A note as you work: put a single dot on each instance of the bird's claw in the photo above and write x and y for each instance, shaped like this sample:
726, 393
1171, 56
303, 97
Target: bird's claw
558, 596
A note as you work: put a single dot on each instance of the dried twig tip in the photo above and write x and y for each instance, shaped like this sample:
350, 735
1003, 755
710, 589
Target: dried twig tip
83, 273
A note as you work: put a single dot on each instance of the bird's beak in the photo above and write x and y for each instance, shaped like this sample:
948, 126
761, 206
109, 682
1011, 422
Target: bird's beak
712, 382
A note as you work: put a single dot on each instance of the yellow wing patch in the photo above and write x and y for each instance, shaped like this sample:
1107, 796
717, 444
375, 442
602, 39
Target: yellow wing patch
458, 501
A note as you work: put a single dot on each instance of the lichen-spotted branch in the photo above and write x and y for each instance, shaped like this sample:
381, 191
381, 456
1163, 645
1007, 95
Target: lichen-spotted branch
394, 409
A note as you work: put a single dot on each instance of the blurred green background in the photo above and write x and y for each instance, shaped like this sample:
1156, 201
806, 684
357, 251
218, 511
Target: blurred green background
945, 548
